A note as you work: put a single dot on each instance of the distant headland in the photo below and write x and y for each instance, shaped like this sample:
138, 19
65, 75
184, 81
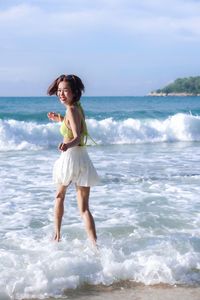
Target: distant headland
189, 86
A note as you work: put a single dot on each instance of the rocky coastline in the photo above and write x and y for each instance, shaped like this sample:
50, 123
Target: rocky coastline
156, 94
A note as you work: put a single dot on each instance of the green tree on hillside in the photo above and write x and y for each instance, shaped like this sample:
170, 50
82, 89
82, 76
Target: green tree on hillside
189, 85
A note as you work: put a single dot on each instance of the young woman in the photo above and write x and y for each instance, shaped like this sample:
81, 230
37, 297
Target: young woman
74, 164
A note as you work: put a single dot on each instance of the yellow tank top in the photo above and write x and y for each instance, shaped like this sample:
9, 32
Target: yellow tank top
66, 131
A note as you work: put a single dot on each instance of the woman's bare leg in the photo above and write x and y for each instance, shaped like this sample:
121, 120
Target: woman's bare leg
59, 210
83, 204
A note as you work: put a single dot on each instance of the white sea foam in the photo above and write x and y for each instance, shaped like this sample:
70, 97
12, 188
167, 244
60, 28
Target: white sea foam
21, 135
146, 210
40, 268
148, 231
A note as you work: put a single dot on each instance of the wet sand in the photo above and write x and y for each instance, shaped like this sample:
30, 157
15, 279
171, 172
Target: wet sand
137, 292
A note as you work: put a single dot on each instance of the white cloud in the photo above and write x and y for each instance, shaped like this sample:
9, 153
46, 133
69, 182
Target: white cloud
17, 13
174, 18
98, 37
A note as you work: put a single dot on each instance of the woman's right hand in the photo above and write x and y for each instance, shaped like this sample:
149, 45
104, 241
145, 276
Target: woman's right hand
54, 116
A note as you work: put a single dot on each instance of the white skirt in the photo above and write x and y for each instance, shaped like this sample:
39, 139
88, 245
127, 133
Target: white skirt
74, 165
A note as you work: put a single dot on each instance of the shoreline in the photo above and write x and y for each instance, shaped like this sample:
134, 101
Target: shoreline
155, 94
131, 291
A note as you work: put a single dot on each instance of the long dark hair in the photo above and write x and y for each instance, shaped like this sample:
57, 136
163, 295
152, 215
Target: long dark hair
75, 84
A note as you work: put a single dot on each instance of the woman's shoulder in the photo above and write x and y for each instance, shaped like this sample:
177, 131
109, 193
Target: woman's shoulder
73, 111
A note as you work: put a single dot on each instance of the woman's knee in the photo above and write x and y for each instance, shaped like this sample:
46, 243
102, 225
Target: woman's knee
60, 195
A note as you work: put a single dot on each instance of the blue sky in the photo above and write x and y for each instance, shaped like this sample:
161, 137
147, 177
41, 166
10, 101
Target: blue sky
118, 47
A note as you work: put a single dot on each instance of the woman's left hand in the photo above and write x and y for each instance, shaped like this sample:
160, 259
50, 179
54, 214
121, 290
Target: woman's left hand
63, 147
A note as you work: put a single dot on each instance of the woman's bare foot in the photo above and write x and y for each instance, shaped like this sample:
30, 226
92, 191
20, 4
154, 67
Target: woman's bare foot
56, 237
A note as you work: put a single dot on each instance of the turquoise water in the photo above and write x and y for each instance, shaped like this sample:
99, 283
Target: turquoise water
146, 207
118, 108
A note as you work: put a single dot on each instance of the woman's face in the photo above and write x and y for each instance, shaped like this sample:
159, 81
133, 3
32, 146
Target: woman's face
64, 93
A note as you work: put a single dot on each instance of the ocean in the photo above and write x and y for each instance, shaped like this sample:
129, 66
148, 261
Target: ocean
146, 206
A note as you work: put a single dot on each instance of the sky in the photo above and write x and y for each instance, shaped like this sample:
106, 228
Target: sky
117, 47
